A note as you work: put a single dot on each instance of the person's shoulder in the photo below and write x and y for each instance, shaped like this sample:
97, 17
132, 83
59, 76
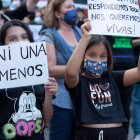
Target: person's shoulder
117, 76
48, 30
77, 29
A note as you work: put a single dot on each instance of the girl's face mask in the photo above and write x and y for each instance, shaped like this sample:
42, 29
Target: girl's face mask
94, 68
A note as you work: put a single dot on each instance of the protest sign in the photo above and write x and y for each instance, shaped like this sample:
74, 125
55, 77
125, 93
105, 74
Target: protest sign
23, 64
114, 17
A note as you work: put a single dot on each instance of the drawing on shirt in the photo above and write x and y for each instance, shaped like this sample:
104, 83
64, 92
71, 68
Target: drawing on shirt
27, 108
104, 86
100, 96
26, 119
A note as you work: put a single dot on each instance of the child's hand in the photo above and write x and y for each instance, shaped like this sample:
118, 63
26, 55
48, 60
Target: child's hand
51, 87
85, 28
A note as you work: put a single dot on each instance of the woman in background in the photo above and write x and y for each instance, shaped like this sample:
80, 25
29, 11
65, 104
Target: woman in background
62, 36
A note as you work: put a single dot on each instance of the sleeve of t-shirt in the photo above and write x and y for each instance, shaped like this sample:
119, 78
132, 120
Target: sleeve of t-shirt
74, 92
47, 36
118, 75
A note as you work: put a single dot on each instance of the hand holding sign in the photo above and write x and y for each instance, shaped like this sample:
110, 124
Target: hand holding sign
51, 87
85, 28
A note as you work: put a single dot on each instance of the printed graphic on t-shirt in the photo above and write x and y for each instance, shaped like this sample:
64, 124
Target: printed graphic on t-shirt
101, 96
26, 120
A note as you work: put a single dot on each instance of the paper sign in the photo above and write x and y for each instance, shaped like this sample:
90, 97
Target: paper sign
23, 64
114, 17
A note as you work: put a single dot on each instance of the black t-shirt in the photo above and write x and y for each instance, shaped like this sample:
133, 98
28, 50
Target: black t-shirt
123, 54
97, 101
123, 59
21, 113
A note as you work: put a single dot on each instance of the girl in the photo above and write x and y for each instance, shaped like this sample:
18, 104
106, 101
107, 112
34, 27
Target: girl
96, 90
26, 109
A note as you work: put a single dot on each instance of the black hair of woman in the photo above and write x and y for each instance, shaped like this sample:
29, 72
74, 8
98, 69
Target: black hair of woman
11, 23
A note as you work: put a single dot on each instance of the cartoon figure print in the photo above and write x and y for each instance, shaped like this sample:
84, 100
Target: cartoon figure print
27, 108
26, 118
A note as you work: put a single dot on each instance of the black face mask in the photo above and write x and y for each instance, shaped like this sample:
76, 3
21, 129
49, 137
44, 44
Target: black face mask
80, 22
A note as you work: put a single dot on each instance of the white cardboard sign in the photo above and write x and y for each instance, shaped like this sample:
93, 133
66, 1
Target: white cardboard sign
23, 64
114, 17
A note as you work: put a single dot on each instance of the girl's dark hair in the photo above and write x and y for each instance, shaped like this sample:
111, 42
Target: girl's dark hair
11, 23
96, 40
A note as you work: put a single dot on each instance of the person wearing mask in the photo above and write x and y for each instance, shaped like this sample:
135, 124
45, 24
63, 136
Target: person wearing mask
24, 110
96, 90
61, 36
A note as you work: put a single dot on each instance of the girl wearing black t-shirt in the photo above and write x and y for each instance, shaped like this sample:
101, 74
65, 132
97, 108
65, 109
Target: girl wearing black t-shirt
96, 91
24, 110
